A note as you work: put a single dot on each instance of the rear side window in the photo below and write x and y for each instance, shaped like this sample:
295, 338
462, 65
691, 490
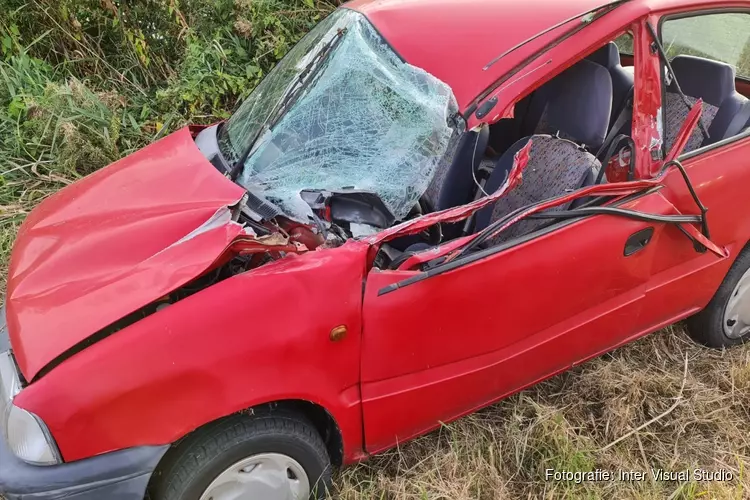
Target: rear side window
624, 43
722, 37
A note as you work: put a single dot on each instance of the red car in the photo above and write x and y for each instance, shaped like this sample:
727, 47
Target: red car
425, 207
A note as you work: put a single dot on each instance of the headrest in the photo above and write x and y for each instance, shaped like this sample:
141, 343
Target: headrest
608, 56
713, 81
581, 105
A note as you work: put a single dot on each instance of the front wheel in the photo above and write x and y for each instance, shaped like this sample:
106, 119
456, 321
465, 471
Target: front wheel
725, 322
275, 456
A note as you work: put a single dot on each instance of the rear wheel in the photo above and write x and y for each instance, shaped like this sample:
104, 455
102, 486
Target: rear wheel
725, 321
274, 456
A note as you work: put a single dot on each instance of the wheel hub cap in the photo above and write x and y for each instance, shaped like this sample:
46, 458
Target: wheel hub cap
737, 312
268, 476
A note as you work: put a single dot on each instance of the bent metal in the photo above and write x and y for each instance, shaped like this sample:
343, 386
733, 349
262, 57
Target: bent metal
391, 232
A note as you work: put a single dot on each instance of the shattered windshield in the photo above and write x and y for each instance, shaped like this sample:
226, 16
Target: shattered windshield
366, 120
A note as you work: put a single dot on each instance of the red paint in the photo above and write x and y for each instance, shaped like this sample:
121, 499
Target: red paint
618, 168
412, 358
621, 189
257, 337
533, 312
105, 246
301, 233
414, 226
648, 129
742, 86
454, 40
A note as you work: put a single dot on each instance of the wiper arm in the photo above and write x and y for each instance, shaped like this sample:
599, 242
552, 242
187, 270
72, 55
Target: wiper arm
289, 98
306, 77
665, 59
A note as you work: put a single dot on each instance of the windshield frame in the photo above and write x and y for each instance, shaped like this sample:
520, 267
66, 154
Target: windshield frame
398, 111
223, 139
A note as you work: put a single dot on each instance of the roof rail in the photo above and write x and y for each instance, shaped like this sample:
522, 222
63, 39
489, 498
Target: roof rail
609, 6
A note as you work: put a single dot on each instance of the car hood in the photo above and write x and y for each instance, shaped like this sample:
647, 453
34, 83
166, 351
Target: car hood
114, 242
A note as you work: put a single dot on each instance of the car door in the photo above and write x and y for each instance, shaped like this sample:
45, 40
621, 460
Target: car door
683, 281
447, 345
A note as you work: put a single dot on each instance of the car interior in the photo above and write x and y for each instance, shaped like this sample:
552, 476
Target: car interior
570, 119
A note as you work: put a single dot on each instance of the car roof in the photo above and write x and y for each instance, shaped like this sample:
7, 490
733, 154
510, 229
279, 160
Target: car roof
455, 39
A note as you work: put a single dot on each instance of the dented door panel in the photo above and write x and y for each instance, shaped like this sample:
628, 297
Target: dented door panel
455, 342
648, 121
684, 281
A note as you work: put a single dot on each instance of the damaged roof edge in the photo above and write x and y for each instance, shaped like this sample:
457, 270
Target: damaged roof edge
594, 15
589, 12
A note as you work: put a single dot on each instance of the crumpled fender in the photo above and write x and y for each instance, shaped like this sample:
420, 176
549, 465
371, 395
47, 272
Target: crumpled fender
254, 338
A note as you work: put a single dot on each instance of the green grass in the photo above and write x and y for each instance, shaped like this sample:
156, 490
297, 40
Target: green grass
83, 82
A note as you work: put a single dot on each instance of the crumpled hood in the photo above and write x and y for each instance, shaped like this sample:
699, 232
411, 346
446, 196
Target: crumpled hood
114, 242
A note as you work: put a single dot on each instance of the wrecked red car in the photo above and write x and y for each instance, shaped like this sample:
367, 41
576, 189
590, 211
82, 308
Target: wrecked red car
425, 207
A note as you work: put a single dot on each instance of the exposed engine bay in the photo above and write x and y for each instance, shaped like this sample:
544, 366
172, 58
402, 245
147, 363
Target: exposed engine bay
336, 216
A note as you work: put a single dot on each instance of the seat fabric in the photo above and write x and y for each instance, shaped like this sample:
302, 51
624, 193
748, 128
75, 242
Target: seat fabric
580, 108
453, 181
579, 115
712, 81
555, 167
622, 79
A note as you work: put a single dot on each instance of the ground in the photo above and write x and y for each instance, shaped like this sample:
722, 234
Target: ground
660, 403
84, 82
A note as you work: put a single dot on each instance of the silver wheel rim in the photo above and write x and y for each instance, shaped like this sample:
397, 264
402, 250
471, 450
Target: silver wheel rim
737, 312
268, 476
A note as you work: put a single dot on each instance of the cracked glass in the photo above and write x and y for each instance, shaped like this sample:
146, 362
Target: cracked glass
360, 118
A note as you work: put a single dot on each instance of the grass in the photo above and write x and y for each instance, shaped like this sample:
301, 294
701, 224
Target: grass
662, 402
84, 82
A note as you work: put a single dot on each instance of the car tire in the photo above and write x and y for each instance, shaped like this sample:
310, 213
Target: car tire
267, 442
713, 326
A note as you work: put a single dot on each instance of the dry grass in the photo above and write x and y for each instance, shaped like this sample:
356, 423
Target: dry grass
575, 421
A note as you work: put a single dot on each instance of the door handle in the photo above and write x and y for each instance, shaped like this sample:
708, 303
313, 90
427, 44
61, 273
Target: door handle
637, 241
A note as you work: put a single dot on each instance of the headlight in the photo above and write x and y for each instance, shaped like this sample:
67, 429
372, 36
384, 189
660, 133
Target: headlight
25, 433
29, 439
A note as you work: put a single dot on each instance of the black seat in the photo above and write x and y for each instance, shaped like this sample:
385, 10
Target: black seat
453, 183
578, 117
529, 111
725, 111
622, 83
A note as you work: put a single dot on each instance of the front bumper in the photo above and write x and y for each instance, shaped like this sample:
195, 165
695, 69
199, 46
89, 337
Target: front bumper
120, 475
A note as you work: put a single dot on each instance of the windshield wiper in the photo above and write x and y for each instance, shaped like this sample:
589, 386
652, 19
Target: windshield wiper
665, 59
290, 97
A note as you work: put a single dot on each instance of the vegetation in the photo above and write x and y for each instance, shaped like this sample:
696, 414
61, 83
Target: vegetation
84, 82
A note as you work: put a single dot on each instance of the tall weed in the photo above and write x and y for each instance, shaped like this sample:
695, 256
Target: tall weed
84, 82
